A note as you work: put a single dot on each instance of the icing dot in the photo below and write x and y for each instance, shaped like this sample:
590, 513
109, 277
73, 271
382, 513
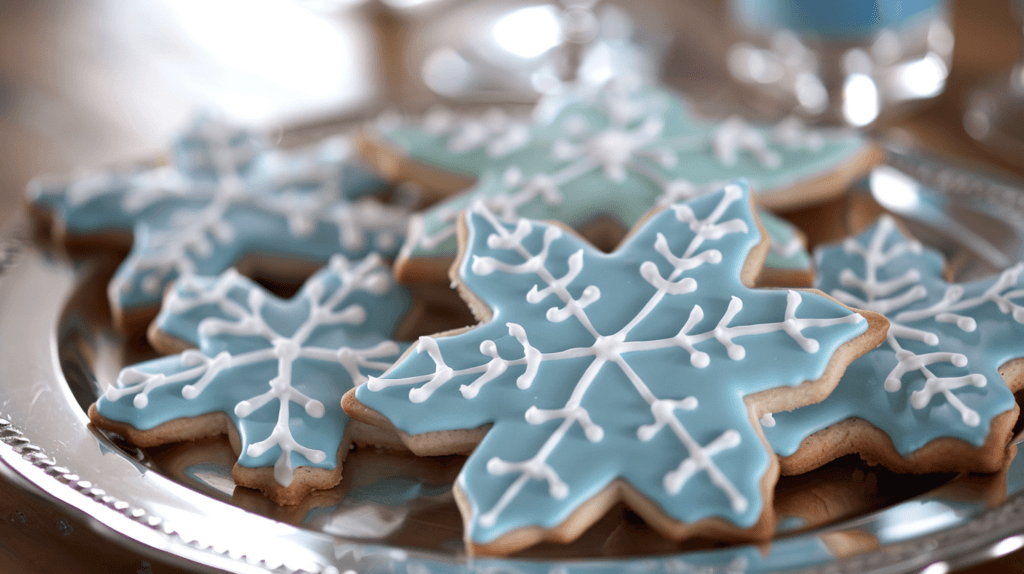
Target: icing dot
418, 395
375, 384
495, 466
647, 432
809, 345
958, 360
512, 177
731, 438
482, 265
315, 409
612, 146
140, 401
1018, 314
683, 212
489, 348
534, 416
559, 490
315, 291
257, 298
700, 359
737, 352
971, 418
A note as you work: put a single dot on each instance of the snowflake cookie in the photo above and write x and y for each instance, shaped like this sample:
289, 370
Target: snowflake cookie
268, 373
600, 163
228, 198
638, 375
937, 395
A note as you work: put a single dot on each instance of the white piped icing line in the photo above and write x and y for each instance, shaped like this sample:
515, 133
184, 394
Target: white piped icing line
494, 131
241, 321
891, 297
514, 256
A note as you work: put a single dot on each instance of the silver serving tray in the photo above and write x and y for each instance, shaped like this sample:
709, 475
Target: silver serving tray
395, 515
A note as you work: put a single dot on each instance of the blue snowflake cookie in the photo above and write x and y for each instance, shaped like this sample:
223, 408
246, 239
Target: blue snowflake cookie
268, 373
937, 395
227, 198
638, 375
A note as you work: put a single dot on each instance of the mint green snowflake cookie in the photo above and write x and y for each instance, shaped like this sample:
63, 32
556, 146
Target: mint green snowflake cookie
600, 161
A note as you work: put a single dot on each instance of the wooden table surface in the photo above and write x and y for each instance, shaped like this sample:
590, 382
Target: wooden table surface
90, 82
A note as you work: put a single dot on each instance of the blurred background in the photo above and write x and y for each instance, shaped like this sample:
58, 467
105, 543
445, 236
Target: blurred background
89, 83
97, 82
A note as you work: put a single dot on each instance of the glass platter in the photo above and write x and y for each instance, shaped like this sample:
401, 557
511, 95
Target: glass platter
394, 513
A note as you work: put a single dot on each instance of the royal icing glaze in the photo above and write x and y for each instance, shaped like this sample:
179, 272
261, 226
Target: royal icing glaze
601, 366
618, 156
227, 195
277, 368
936, 375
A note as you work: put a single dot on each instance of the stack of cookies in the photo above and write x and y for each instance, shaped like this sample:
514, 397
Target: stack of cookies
648, 329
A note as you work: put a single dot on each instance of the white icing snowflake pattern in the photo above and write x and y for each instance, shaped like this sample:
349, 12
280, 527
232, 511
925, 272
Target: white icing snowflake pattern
228, 196
494, 131
229, 316
632, 138
891, 297
523, 254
